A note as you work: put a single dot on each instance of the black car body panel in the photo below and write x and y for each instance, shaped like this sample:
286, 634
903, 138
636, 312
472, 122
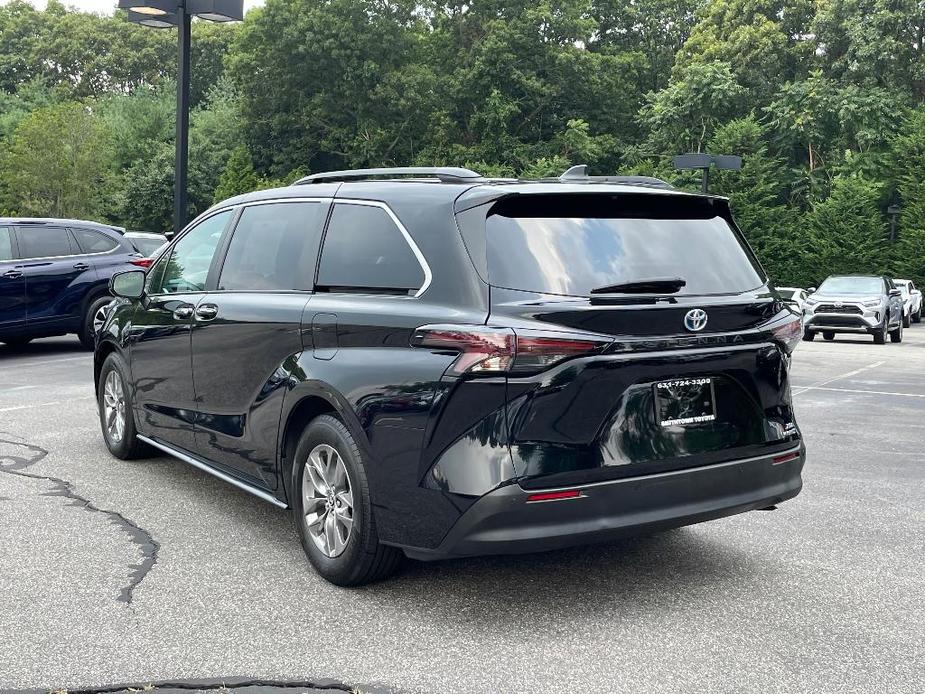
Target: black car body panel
229, 376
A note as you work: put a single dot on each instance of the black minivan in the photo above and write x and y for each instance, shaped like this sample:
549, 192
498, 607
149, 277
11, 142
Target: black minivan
426, 362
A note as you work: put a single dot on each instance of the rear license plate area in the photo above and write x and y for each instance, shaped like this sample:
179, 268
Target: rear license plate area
685, 402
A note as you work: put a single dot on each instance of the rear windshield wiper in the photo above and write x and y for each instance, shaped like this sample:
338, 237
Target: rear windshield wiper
653, 285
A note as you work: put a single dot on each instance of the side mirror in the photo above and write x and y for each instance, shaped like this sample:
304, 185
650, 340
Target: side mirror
129, 284
810, 290
896, 292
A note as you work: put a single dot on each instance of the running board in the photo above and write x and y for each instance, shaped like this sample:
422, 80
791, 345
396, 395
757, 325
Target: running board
259, 493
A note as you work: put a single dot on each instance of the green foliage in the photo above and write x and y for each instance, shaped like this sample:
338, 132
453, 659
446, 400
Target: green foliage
238, 177
55, 164
824, 101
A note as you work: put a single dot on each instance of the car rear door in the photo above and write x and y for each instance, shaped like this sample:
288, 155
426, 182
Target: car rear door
56, 274
12, 285
247, 334
645, 326
162, 374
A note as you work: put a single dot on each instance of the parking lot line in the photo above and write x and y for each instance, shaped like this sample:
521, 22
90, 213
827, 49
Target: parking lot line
867, 392
803, 389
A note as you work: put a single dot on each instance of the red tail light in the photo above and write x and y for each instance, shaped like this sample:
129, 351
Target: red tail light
484, 349
142, 262
789, 334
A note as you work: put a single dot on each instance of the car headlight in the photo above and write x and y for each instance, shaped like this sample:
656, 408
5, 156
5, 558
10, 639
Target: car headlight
811, 302
872, 302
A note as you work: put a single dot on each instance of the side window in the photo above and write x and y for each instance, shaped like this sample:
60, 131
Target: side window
6, 243
186, 267
91, 241
44, 242
364, 249
274, 247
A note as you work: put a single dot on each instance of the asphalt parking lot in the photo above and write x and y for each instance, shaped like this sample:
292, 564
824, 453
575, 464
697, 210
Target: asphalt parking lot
116, 572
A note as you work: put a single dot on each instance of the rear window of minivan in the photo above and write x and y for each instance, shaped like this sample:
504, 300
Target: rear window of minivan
571, 244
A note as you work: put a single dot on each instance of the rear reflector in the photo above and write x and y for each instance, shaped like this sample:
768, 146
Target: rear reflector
142, 262
554, 496
785, 458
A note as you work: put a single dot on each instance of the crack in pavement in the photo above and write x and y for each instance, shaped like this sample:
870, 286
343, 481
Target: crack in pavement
141, 538
254, 685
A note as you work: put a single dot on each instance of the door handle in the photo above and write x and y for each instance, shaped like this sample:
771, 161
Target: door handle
183, 311
81, 266
206, 311
12, 274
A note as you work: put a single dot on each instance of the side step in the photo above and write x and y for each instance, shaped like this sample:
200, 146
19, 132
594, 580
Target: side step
195, 462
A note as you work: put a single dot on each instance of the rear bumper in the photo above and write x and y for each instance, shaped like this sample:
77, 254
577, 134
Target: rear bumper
503, 522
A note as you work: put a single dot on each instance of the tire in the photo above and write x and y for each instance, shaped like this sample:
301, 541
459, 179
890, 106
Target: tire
880, 333
906, 320
16, 342
917, 316
128, 446
897, 334
88, 328
359, 559
828, 335
808, 336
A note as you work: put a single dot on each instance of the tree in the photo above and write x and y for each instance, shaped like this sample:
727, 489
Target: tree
845, 233
238, 177
683, 116
56, 162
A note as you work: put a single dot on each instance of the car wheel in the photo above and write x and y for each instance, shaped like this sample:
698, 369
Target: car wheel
117, 420
332, 508
906, 320
16, 341
897, 334
880, 333
808, 336
93, 321
917, 316
828, 335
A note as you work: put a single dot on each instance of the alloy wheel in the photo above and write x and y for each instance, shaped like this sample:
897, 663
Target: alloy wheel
98, 318
114, 406
327, 500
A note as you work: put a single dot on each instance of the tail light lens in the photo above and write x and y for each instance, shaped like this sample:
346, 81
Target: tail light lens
789, 334
142, 262
488, 350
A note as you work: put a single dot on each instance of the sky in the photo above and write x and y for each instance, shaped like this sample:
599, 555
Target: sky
108, 6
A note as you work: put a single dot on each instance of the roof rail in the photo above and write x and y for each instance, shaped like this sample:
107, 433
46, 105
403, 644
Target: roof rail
579, 174
444, 174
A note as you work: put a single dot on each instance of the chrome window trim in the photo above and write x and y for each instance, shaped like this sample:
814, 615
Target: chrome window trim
422, 261
168, 249
419, 256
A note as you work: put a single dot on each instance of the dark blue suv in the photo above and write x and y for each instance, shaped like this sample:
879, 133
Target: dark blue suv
54, 276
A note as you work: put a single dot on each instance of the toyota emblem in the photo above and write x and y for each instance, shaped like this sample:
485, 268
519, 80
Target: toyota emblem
695, 320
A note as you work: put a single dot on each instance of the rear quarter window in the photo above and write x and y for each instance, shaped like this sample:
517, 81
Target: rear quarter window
571, 244
91, 241
365, 250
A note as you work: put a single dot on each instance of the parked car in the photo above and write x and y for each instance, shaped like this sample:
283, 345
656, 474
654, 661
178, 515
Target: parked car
855, 304
431, 363
793, 296
54, 276
146, 243
912, 301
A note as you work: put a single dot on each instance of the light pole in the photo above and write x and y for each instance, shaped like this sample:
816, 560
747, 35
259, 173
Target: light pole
893, 211
165, 14
704, 162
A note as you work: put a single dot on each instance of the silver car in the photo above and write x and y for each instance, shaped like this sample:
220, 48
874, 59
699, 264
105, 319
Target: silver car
912, 301
868, 304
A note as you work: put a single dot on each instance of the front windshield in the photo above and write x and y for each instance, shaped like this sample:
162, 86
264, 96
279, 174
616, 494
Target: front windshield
851, 285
